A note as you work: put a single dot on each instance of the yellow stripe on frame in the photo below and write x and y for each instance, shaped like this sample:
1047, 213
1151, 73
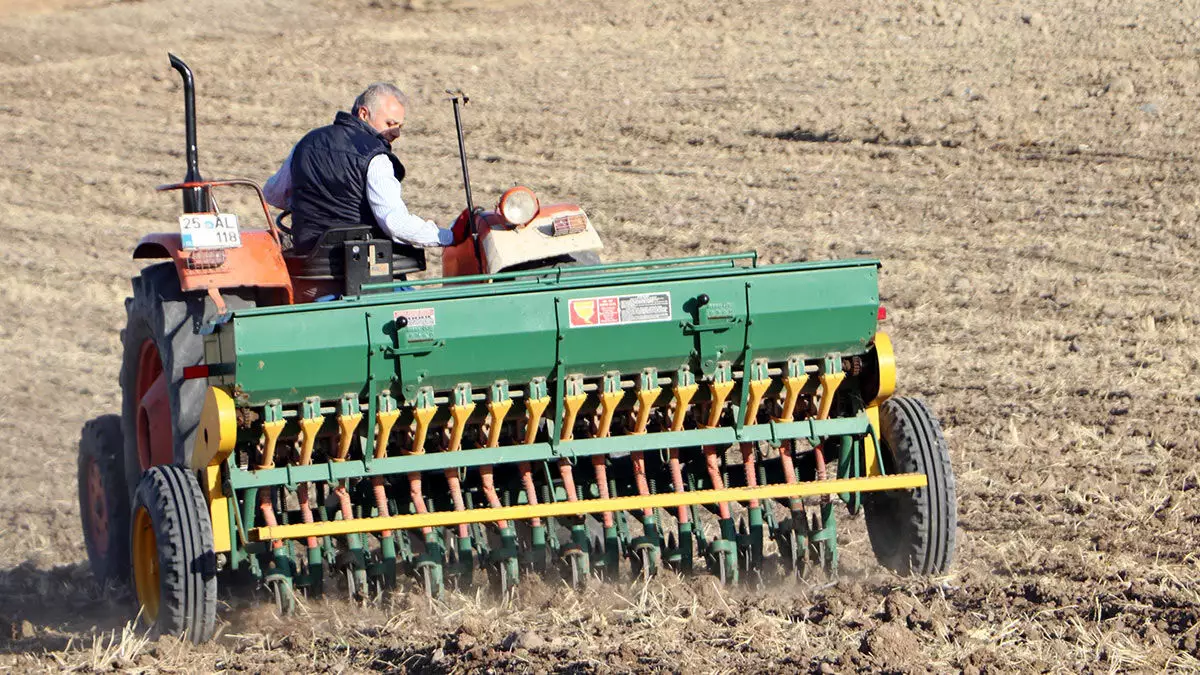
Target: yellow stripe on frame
558, 509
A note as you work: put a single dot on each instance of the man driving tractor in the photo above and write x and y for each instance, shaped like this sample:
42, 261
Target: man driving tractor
345, 175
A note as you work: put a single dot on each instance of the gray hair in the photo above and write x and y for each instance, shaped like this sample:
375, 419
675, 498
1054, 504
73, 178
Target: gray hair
373, 95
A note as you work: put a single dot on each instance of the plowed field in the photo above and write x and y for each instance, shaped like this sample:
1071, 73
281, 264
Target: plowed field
1027, 173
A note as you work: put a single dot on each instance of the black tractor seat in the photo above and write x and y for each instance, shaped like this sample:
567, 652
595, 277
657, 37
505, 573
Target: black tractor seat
355, 255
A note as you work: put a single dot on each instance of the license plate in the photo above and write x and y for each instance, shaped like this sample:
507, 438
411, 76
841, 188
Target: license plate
209, 230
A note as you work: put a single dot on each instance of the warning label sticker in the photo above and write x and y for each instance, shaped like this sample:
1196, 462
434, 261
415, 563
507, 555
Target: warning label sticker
612, 310
421, 322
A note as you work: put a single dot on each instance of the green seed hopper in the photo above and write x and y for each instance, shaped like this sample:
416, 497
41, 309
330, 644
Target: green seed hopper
676, 412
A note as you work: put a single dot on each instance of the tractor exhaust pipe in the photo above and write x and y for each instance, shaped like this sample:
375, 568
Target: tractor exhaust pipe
195, 200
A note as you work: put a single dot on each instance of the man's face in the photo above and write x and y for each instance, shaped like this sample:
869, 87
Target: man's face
387, 120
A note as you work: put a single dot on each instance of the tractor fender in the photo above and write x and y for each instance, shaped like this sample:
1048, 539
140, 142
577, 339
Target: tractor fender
258, 263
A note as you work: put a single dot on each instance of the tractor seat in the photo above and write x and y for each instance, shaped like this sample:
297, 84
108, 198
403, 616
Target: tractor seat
344, 253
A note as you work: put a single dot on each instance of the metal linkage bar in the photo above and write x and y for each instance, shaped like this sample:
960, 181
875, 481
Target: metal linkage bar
536, 452
559, 509
460, 288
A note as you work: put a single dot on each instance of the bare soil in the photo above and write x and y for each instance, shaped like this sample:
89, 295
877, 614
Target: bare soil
1026, 172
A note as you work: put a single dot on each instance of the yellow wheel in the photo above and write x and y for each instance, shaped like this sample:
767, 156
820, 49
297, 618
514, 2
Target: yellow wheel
174, 567
146, 580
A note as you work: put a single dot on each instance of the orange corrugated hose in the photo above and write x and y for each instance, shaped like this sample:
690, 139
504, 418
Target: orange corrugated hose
455, 487
748, 463
639, 474
377, 486
306, 513
489, 490
677, 482
789, 468
418, 499
714, 474
602, 484
268, 514
530, 490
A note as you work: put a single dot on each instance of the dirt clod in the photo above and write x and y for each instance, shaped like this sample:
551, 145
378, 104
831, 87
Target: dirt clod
891, 643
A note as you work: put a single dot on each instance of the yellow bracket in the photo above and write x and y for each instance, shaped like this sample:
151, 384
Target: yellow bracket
662, 500
608, 406
683, 397
757, 389
497, 410
422, 416
385, 421
720, 391
793, 387
571, 404
218, 509
534, 408
829, 385
308, 436
271, 430
885, 359
646, 399
870, 453
346, 425
217, 431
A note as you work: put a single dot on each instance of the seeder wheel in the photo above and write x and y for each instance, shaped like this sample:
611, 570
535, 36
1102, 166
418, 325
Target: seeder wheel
912, 531
174, 567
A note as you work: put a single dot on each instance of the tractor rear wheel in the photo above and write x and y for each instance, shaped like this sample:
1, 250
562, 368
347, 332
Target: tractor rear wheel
104, 499
912, 531
159, 409
174, 567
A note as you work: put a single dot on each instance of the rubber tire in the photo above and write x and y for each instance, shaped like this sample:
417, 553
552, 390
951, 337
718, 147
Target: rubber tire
186, 562
159, 310
100, 442
912, 531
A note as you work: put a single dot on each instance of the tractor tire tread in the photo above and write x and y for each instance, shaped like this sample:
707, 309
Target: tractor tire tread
100, 440
187, 564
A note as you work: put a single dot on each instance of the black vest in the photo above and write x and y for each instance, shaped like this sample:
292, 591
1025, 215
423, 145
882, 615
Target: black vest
329, 179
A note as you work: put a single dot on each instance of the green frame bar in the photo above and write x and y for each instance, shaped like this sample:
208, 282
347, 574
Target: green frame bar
596, 276
240, 479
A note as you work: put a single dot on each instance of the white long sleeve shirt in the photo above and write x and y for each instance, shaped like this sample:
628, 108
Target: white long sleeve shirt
385, 196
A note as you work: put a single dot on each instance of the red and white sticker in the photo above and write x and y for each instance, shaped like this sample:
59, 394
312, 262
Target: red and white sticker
422, 323
612, 310
417, 318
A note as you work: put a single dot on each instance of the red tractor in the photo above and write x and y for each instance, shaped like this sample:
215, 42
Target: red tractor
214, 264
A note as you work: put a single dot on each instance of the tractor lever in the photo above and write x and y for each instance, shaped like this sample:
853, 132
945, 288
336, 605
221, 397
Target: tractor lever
457, 96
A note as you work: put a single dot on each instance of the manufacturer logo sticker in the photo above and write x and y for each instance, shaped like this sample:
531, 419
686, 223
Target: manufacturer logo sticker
612, 310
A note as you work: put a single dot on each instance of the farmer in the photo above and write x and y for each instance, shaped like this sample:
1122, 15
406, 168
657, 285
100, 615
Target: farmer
345, 175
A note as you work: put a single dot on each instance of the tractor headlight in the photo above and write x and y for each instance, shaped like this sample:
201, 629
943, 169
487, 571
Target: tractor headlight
518, 206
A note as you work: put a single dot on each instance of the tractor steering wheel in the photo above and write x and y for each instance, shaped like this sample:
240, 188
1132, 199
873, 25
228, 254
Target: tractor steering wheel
286, 229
